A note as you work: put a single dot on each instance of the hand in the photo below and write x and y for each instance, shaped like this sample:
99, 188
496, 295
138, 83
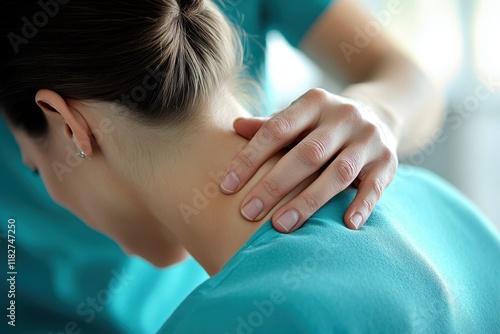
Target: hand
342, 136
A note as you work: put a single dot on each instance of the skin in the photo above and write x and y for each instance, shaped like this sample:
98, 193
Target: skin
343, 143
132, 188
392, 107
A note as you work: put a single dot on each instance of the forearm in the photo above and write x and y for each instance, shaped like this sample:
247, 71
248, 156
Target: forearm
405, 100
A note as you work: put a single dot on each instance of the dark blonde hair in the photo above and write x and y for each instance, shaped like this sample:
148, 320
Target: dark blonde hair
160, 58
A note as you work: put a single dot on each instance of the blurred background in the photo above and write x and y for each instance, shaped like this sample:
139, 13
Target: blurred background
456, 42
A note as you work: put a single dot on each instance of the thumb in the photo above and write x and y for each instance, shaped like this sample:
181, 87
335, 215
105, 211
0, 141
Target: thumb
247, 127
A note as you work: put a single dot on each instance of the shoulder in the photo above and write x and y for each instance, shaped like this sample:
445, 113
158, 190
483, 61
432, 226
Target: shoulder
325, 277
258, 288
235, 307
430, 195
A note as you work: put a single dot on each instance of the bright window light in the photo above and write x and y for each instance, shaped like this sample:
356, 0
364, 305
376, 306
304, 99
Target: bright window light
290, 73
487, 46
430, 32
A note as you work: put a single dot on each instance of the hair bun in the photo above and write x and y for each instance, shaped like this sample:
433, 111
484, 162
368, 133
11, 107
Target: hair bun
189, 6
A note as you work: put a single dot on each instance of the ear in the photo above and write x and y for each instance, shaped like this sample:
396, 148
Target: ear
76, 127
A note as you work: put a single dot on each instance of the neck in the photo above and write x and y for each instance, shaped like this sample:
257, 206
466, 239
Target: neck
188, 202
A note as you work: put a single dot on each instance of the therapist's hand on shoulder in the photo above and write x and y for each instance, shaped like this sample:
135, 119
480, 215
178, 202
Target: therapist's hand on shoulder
349, 142
342, 138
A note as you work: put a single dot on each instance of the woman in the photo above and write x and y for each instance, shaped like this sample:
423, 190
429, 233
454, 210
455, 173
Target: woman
134, 138
312, 26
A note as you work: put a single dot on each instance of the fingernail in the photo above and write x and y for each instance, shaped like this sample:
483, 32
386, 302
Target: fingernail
356, 220
230, 183
288, 220
252, 209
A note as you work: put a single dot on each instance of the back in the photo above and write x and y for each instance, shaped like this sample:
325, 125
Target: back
426, 261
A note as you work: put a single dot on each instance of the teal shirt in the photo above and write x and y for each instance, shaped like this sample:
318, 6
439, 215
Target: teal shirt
425, 262
257, 17
70, 275
72, 279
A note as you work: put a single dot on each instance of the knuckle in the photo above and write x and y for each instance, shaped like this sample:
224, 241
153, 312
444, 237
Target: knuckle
312, 152
389, 159
387, 154
276, 128
362, 175
346, 170
372, 131
368, 204
272, 187
317, 94
248, 158
311, 202
377, 187
394, 163
349, 112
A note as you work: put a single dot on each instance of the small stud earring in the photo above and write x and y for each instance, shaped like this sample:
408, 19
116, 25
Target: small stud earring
81, 154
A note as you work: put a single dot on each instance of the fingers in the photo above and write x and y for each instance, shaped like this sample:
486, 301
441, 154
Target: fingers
247, 127
311, 154
274, 135
373, 172
335, 178
331, 126
370, 189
